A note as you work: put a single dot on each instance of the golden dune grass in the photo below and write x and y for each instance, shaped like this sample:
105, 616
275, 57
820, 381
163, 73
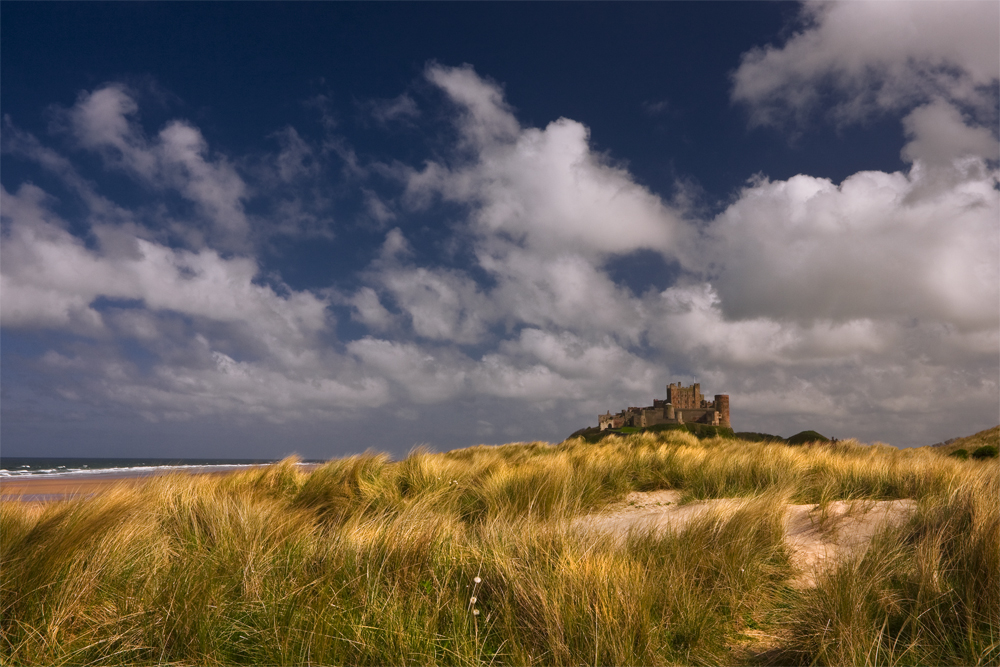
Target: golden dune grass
369, 561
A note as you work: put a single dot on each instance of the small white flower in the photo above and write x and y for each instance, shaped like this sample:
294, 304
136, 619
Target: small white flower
472, 600
478, 580
475, 612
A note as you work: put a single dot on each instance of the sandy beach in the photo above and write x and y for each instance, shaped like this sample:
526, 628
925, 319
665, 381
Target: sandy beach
40, 488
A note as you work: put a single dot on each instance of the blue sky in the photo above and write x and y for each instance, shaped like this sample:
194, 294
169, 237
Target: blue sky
251, 229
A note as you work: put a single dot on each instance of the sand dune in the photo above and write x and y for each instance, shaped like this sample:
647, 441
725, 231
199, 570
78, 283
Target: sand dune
818, 539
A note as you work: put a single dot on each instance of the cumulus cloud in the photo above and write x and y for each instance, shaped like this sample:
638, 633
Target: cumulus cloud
918, 245
588, 364
368, 309
51, 278
420, 374
806, 249
939, 135
544, 212
441, 305
100, 209
220, 386
105, 120
222, 342
544, 189
890, 279
868, 305
564, 291
873, 57
791, 296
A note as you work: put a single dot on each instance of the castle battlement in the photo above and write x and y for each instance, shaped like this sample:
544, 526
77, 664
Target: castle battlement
684, 405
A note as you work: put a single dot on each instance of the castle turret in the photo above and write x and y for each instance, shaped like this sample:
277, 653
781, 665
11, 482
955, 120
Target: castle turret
722, 407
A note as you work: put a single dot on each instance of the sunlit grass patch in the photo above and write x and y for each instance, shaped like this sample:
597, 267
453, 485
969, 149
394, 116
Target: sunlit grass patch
369, 561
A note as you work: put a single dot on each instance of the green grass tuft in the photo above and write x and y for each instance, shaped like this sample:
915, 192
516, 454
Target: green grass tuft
985, 452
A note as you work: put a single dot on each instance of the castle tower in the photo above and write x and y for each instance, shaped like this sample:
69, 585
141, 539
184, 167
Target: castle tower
684, 398
722, 407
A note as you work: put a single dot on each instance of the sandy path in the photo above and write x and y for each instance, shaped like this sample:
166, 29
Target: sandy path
817, 542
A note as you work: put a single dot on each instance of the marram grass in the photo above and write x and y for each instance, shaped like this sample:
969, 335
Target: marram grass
469, 557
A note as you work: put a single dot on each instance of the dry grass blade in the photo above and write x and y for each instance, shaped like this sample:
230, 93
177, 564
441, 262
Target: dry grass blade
369, 561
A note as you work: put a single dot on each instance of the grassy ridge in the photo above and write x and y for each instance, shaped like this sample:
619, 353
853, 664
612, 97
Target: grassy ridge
368, 561
989, 437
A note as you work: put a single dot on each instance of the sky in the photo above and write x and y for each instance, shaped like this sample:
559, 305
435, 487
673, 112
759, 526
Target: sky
253, 229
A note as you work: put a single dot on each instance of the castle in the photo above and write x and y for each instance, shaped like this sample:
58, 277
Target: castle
683, 405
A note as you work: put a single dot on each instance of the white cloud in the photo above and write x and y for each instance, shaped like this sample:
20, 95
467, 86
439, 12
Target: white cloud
881, 293
875, 300
545, 210
690, 322
806, 249
442, 305
221, 386
791, 293
401, 108
296, 158
486, 118
439, 304
378, 209
100, 208
584, 362
196, 313
867, 305
178, 158
561, 291
535, 385
100, 121
51, 279
423, 375
882, 55
545, 189
938, 135
368, 310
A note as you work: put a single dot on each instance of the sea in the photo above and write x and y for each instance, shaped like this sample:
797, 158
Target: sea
21, 466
